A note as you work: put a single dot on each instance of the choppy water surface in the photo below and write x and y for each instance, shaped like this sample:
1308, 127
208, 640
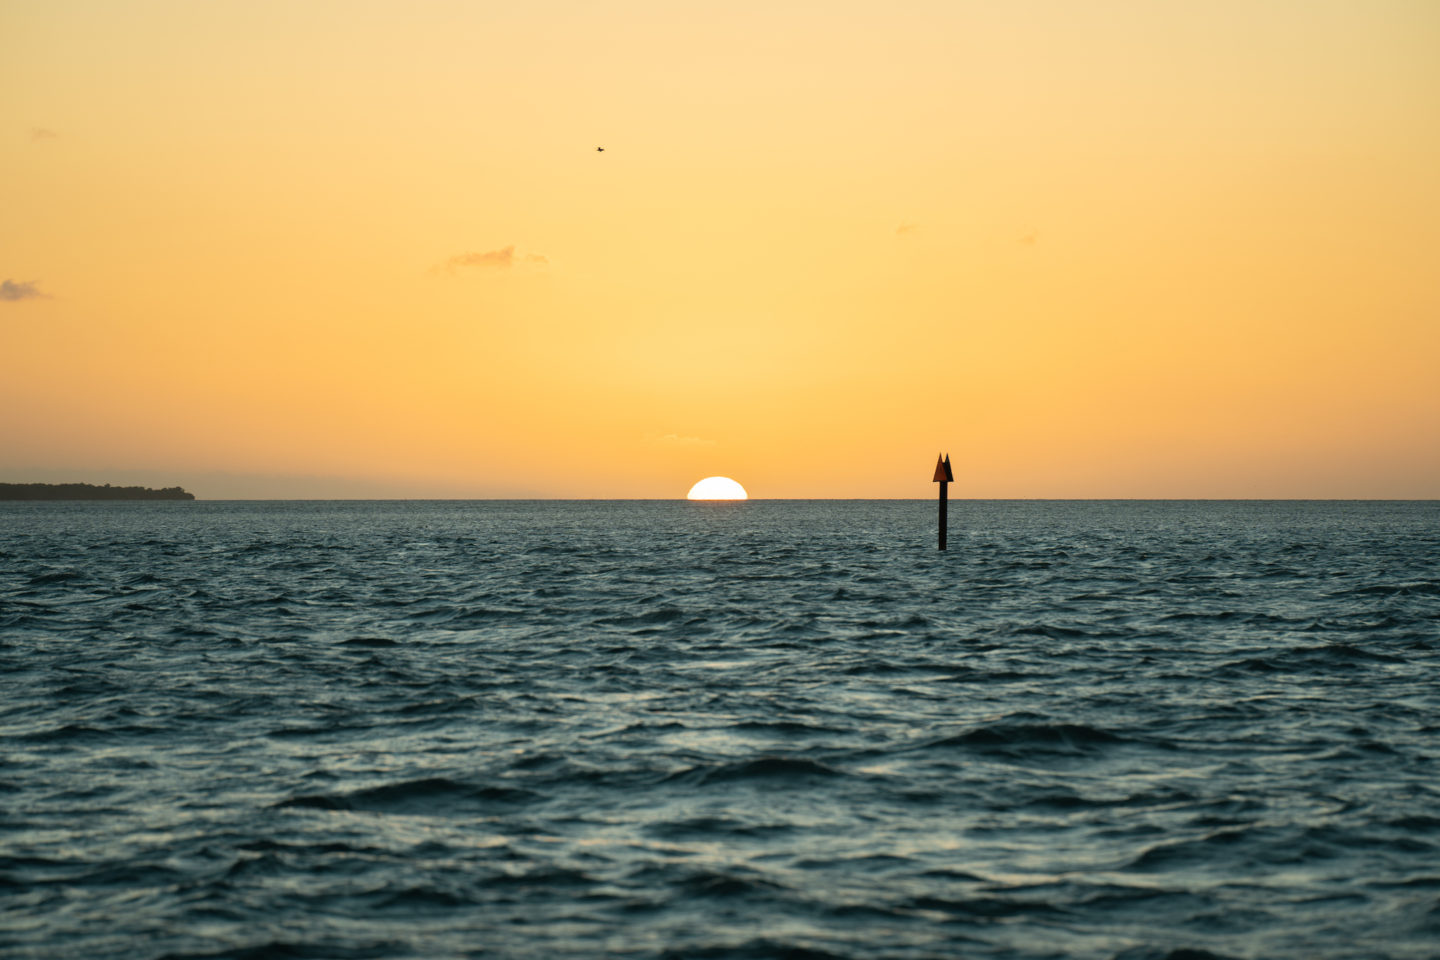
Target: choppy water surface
767, 729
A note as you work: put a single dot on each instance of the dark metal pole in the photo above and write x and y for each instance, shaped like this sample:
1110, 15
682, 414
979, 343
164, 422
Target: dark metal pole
943, 475
944, 497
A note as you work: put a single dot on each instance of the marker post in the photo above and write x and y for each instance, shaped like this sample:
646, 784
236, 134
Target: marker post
943, 476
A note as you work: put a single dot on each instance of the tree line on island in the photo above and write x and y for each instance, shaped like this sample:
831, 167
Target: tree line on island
88, 491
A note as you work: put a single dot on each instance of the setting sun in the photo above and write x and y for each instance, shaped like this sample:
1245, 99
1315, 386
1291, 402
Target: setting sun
717, 488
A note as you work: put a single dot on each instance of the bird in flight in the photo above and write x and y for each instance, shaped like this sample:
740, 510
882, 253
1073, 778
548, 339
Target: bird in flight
599, 149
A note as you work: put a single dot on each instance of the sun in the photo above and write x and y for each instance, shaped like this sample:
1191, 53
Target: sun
717, 488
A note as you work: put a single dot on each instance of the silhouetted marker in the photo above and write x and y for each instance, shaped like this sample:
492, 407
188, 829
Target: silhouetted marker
943, 476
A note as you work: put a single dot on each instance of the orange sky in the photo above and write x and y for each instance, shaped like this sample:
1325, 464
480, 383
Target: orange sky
1107, 249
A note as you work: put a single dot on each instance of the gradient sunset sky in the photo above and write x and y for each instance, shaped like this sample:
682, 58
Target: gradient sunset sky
1113, 248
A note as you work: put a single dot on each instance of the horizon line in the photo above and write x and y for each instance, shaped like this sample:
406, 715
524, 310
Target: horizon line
199, 499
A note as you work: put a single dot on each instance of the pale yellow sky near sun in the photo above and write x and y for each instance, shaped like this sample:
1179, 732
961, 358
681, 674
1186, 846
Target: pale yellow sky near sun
1124, 248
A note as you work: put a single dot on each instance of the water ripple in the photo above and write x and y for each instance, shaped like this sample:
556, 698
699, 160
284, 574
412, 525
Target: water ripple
1122, 731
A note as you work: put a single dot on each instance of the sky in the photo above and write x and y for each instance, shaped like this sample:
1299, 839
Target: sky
1121, 248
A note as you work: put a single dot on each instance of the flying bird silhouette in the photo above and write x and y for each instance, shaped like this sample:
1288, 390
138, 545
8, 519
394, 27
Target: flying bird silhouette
599, 149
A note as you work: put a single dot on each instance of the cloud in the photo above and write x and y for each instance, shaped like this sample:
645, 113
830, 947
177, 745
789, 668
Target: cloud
1030, 238
40, 133
502, 259
904, 228
10, 290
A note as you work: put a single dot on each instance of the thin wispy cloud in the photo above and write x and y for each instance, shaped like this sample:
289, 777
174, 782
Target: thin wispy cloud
1030, 238
10, 290
502, 259
904, 228
42, 133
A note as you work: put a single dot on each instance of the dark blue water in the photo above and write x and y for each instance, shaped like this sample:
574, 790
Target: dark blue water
766, 729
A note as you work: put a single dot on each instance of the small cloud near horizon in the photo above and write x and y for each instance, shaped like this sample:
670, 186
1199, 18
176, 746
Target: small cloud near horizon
42, 133
10, 290
502, 259
905, 228
1030, 238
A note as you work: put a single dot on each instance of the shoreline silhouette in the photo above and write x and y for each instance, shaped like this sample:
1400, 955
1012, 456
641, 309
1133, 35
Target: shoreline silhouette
88, 491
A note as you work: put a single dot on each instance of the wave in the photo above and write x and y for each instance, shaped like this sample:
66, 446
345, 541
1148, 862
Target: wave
427, 794
57, 576
1021, 738
1340, 654
761, 768
318, 949
1170, 953
760, 948
992, 907
714, 828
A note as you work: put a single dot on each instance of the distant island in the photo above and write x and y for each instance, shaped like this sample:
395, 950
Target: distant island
87, 491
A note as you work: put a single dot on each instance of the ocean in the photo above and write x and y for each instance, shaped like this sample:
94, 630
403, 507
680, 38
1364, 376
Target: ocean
770, 729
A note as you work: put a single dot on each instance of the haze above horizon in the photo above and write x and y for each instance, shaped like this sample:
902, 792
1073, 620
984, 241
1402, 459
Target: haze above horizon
1108, 250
